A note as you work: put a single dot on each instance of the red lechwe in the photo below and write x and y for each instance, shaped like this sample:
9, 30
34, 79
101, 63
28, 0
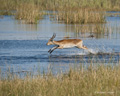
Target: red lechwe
65, 43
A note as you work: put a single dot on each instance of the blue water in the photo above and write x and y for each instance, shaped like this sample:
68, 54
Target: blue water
23, 46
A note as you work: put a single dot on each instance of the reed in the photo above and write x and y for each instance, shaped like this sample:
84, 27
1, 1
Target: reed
93, 81
81, 16
61, 4
89, 30
76, 4
7, 5
28, 12
70, 11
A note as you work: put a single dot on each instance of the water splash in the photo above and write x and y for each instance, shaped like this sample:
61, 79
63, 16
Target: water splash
102, 50
93, 51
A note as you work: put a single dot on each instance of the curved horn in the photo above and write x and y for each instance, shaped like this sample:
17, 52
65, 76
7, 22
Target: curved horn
54, 35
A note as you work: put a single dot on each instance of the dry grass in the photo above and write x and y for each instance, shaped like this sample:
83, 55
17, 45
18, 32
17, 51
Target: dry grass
28, 12
29, 9
9, 5
81, 16
95, 81
61, 4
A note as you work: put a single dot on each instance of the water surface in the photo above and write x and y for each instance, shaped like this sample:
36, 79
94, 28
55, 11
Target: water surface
23, 46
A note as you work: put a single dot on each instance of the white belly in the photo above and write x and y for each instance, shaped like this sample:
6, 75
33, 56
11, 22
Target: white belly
68, 46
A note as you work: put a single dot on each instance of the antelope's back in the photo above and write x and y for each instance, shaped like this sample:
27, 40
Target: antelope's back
70, 41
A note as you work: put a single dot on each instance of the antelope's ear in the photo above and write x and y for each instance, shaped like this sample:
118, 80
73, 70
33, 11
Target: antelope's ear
51, 39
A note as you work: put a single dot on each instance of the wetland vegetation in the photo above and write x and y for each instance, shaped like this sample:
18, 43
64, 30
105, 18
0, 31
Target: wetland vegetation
22, 45
93, 81
70, 11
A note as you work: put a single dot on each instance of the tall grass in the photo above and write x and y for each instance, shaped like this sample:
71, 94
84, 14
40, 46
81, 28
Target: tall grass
93, 81
70, 11
61, 4
28, 12
81, 16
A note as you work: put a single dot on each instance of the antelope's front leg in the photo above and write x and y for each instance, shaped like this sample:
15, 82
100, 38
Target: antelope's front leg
52, 49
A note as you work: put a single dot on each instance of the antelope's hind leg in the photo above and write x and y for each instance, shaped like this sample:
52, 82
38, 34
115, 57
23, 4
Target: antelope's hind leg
85, 48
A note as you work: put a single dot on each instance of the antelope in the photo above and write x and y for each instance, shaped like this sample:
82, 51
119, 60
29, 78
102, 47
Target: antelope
65, 43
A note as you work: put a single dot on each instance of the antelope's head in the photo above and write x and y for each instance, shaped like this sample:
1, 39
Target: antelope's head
50, 41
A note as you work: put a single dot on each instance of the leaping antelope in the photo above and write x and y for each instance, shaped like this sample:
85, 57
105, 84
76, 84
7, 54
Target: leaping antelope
65, 43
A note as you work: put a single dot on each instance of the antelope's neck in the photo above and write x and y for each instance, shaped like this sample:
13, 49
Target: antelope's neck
55, 42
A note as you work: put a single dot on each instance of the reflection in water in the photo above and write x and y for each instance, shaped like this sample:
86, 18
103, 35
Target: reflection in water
25, 27
88, 30
16, 29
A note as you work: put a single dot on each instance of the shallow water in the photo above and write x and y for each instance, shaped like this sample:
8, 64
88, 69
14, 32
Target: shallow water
23, 46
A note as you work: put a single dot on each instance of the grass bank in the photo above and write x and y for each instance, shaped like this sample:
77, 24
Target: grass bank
93, 81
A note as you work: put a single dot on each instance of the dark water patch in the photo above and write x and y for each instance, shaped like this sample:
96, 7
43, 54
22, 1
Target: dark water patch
102, 57
24, 44
22, 59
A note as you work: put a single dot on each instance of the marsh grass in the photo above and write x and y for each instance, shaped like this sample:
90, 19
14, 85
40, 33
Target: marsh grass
61, 4
28, 12
81, 16
95, 30
6, 13
92, 81
76, 4
69, 11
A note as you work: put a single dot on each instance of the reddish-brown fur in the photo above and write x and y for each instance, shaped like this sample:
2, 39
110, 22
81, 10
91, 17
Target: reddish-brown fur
65, 43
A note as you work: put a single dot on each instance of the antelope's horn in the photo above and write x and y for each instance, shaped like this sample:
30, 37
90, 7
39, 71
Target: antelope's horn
54, 35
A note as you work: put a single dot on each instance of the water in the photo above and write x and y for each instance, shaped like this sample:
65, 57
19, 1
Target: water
23, 46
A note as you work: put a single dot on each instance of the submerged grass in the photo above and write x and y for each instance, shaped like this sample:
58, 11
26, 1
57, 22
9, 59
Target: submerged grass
93, 81
92, 30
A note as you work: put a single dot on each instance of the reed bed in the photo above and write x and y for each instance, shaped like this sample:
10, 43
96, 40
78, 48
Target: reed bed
61, 4
81, 16
93, 81
70, 11
28, 12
